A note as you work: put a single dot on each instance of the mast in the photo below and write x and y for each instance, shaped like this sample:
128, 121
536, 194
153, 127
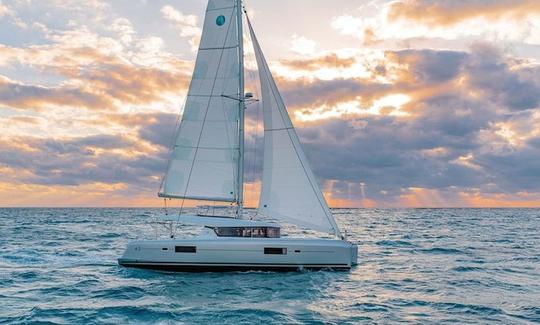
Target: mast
241, 106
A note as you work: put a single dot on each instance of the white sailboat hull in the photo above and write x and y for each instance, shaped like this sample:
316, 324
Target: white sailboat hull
240, 254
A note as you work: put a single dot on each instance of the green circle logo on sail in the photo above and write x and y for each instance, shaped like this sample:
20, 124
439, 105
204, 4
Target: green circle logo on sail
220, 20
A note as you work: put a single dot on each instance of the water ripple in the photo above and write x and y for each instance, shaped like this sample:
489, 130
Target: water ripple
58, 266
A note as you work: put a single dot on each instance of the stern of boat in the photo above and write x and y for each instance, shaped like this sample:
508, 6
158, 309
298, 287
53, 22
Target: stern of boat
354, 254
132, 253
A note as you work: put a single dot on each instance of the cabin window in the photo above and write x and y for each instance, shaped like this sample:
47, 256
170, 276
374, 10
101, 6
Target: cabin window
275, 251
255, 232
272, 232
185, 249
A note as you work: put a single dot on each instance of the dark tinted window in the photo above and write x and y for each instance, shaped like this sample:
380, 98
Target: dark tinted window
275, 250
185, 249
258, 232
272, 232
229, 232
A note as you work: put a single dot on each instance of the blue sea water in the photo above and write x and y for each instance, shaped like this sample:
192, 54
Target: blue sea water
415, 265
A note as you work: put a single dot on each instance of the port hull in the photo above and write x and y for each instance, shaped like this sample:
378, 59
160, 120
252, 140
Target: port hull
239, 254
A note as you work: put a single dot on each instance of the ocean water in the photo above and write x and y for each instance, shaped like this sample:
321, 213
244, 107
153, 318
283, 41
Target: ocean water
415, 265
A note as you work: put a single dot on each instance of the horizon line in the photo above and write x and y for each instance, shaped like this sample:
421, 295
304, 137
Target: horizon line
252, 208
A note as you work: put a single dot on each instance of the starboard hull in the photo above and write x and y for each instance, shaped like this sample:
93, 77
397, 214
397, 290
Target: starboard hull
242, 254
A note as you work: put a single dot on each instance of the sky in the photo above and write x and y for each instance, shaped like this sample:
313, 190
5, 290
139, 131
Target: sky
407, 103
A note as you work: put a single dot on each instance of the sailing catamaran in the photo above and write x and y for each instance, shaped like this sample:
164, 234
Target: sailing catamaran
207, 164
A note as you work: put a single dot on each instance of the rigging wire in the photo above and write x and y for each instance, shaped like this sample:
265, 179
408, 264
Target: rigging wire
256, 112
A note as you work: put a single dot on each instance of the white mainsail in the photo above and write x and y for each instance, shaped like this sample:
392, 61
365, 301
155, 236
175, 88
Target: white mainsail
289, 188
206, 154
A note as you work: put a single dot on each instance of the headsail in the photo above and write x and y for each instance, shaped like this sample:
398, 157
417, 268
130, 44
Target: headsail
205, 157
289, 188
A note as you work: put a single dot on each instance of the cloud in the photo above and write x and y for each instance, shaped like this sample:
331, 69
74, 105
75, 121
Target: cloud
426, 66
331, 60
186, 24
482, 75
96, 81
38, 97
159, 129
488, 73
124, 28
6, 11
348, 25
444, 24
102, 158
452, 12
307, 93
302, 45
88, 109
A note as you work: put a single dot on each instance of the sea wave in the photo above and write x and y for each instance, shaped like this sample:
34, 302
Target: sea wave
415, 265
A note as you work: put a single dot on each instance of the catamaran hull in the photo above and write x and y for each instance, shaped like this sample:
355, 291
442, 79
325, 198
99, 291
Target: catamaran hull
242, 254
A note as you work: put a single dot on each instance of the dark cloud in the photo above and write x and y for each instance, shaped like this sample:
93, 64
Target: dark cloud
388, 154
535, 142
455, 118
442, 146
305, 93
82, 160
159, 128
428, 66
489, 73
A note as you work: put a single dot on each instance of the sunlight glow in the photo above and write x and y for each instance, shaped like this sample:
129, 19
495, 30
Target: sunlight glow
388, 105
395, 102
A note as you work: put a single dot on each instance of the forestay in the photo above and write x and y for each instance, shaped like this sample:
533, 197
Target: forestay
289, 188
205, 155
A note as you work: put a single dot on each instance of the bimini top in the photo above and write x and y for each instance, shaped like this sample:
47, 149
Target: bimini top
216, 221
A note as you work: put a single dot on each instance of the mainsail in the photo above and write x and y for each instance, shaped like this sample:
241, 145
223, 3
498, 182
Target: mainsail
206, 154
289, 188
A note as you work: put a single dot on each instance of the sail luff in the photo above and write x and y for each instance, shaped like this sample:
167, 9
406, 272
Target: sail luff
289, 188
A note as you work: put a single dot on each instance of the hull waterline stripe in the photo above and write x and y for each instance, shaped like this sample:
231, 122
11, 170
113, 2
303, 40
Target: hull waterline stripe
229, 264
232, 268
